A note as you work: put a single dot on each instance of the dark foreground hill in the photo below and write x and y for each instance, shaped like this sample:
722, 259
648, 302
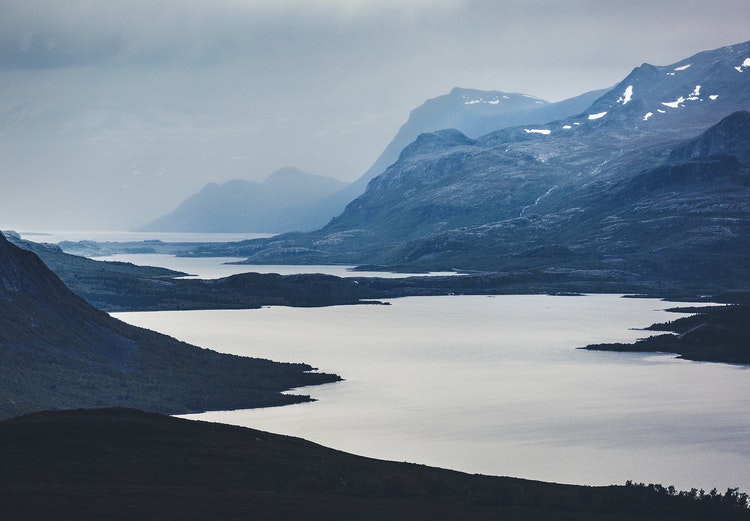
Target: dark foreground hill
57, 352
124, 464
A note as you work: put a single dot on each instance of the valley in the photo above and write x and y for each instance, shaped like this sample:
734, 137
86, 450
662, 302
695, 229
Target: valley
515, 225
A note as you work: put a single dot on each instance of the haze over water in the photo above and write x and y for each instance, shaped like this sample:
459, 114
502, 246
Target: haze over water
494, 385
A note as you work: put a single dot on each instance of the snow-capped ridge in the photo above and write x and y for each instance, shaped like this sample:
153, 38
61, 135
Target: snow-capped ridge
686, 89
475, 101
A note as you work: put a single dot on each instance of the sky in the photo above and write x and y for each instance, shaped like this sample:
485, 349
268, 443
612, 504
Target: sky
112, 112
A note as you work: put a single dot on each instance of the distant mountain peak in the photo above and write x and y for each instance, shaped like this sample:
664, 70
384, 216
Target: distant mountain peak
494, 98
288, 172
285, 201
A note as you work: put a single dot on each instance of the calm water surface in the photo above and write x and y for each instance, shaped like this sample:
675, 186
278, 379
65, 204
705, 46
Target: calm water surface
127, 236
495, 385
217, 267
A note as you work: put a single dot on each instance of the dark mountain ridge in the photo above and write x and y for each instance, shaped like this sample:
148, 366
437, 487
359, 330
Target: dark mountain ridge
124, 464
121, 286
57, 351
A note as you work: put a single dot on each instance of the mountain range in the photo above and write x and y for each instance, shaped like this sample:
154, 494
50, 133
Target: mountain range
654, 172
59, 352
290, 200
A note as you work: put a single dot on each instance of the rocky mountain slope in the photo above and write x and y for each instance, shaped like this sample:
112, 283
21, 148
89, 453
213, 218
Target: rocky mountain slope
471, 111
603, 190
56, 351
290, 200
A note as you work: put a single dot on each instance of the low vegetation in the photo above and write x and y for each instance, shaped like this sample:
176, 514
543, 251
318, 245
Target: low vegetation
124, 464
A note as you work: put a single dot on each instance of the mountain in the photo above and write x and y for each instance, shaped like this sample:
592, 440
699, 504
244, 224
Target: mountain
58, 352
290, 200
471, 111
122, 464
287, 200
635, 184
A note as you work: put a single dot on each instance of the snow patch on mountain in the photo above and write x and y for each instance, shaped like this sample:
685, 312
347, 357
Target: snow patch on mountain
647, 115
693, 96
682, 68
543, 131
745, 65
674, 104
626, 96
494, 101
598, 115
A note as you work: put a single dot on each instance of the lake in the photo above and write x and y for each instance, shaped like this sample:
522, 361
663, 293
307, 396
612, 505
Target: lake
217, 267
56, 236
494, 385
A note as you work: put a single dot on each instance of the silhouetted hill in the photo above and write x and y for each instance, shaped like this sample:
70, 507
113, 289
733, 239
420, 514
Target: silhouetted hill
287, 200
124, 464
121, 286
57, 351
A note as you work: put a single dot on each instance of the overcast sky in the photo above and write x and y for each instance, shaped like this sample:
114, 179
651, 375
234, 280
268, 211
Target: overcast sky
122, 108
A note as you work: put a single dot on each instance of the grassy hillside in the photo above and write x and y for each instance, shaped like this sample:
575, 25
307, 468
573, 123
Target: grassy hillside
123, 464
